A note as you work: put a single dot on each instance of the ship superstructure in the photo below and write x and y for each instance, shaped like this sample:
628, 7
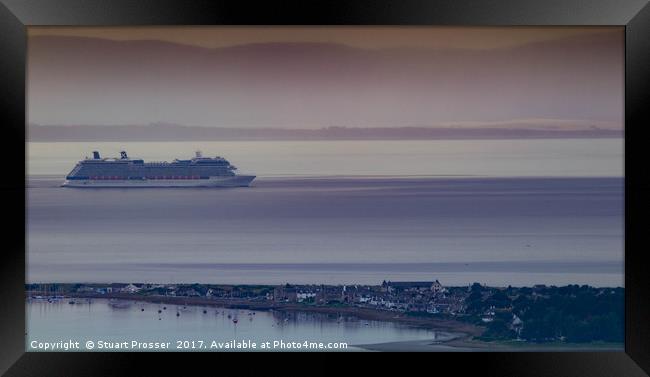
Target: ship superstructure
127, 172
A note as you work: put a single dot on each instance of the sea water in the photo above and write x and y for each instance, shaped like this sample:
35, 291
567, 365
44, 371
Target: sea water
196, 330
500, 212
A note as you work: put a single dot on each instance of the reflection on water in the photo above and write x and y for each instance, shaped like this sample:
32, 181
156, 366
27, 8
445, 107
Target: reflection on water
126, 321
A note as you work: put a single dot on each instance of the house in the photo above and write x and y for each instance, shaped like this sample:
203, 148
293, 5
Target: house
411, 286
305, 296
417, 307
363, 299
350, 294
438, 307
326, 295
517, 324
130, 288
285, 293
436, 287
85, 289
191, 293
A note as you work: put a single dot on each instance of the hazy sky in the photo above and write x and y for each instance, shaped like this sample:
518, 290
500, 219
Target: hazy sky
309, 77
359, 36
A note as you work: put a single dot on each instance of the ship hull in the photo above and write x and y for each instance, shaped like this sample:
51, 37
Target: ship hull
225, 181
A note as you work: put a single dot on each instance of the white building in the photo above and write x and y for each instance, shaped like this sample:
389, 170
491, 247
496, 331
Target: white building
130, 288
302, 296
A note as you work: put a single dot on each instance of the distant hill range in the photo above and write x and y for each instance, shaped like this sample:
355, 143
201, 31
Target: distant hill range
88, 81
174, 132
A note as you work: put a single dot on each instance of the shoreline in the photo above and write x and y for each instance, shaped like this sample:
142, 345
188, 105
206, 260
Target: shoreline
445, 325
466, 344
456, 336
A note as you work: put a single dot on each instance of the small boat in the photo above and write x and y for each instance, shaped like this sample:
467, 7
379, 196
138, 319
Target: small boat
235, 320
119, 304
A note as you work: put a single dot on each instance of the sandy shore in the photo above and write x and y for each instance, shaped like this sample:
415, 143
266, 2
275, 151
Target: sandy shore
464, 343
442, 344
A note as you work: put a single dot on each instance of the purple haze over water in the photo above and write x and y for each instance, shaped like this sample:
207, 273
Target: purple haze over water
499, 231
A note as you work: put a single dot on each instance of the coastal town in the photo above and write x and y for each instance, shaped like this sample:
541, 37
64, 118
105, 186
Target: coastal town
402, 297
538, 314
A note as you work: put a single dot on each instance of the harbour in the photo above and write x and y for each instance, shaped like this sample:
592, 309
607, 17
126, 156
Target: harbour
99, 321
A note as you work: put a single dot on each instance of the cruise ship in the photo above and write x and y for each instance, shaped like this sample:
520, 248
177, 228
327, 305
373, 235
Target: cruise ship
126, 172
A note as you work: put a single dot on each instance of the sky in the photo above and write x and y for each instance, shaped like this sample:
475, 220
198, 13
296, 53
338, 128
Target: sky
313, 77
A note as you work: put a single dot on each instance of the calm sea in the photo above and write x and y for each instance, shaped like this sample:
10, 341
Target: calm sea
501, 212
60, 321
491, 158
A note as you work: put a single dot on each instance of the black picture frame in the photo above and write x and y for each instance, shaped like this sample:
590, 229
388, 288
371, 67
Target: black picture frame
634, 15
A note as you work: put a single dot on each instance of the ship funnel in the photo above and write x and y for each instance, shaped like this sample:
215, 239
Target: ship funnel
96, 155
123, 155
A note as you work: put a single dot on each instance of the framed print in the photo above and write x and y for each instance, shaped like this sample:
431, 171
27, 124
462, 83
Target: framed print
447, 180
